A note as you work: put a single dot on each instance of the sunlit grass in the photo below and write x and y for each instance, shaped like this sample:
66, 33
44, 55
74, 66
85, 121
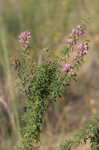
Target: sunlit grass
8, 80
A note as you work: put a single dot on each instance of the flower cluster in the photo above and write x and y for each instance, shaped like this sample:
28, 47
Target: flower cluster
71, 42
75, 35
76, 44
83, 48
67, 68
24, 38
79, 31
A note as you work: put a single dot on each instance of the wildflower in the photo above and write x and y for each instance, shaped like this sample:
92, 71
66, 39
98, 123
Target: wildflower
24, 38
67, 68
71, 41
83, 48
79, 31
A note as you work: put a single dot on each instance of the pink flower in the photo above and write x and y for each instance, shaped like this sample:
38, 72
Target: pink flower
79, 31
71, 41
83, 48
24, 38
67, 68
25, 35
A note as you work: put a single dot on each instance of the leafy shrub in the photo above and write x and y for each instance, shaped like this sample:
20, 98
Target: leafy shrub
45, 82
90, 134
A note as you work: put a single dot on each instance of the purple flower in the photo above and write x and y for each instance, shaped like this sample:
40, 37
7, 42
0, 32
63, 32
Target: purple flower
71, 41
83, 48
79, 31
75, 31
67, 68
25, 35
24, 38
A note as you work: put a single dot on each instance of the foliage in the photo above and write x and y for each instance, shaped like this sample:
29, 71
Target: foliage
90, 133
67, 145
45, 82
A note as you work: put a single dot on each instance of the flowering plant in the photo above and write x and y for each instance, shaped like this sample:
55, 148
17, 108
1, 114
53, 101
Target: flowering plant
88, 134
45, 82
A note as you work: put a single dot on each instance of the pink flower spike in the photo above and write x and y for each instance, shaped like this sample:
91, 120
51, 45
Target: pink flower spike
24, 38
79, 31
66, 68
83, 48
75, 32
71, 41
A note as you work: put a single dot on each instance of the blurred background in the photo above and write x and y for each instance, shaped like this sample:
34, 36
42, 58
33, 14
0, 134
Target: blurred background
50, 21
